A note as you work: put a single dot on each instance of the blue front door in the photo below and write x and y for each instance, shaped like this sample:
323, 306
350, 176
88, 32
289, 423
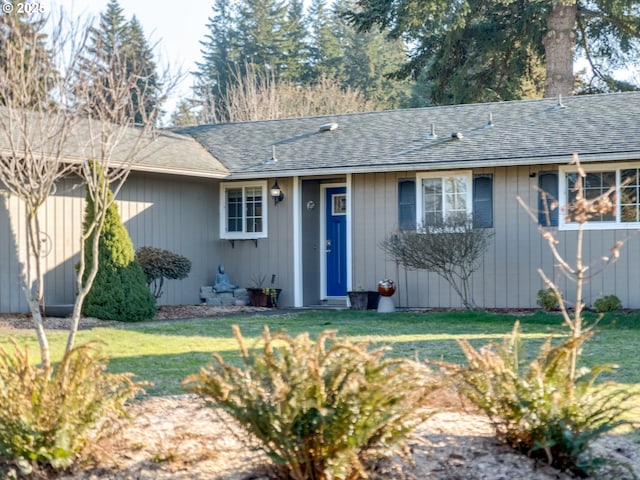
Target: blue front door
336, 241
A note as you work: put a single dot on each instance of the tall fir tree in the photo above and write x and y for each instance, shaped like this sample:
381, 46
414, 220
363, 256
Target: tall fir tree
275, 40
295, 48
120, 57
140, 64
119, 291
371, 59
261, 34
220, 57
26, 65
472, 50
325, 49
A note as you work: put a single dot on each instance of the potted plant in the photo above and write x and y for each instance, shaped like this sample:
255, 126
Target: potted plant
261, 296
359, 299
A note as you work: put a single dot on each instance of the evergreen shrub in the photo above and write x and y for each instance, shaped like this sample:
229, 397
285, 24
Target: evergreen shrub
158, 264
608, 303
321, 410
547, 300
47, 417
119, 291
536, 407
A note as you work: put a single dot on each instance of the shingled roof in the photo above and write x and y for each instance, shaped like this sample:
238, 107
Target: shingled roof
159, 151
598, 127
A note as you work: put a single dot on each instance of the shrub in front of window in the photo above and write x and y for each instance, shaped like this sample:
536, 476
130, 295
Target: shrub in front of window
547, 299
608, 303
320, 410
158, 264
452, 249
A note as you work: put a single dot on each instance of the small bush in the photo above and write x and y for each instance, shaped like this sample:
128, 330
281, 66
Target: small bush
158, 264
608, 303
320, 409
547, 300
535, 407
47, 418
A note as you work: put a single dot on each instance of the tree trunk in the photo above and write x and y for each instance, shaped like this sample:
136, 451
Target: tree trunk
34, 282
559, 45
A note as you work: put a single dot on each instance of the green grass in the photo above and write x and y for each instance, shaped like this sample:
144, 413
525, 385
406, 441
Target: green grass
166, 352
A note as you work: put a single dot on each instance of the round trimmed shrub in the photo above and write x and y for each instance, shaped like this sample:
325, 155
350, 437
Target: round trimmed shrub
608, 303
547, 299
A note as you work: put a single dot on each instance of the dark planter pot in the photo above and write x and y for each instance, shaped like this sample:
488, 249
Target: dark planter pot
61, 311
372, 300
358, 300
264, 297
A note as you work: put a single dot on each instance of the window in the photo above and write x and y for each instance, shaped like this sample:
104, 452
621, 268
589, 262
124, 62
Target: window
624, 180
442, 195
243, 210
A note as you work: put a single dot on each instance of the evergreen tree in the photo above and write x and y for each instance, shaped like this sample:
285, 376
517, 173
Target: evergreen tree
369, 60
141, 66
120, 69
295, 48
119, 291
270, 38
183, 115
261, 34
325, 50
474, 50
220, 58
26, 69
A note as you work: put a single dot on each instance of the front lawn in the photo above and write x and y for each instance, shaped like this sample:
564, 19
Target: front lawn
166, 352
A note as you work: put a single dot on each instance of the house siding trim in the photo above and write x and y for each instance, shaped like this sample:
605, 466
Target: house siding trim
298, 284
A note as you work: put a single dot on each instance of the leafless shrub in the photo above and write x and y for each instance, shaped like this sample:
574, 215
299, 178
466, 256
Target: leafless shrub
255, 95
451, 249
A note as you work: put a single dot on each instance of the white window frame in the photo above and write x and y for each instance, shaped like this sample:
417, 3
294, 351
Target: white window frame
600, 167
420, 176
224, 186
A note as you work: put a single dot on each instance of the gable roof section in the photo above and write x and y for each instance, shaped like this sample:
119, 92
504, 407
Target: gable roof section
167, 152
159, 151
598, 127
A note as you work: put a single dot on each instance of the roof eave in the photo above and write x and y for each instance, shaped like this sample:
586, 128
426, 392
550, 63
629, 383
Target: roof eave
446, 165
177, 171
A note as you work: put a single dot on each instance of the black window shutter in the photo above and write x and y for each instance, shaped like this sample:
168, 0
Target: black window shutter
407, 204
483, 201
547, 183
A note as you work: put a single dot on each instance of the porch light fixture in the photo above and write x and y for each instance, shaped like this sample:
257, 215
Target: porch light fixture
276, 193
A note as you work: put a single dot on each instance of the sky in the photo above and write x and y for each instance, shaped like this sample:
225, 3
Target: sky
176, 27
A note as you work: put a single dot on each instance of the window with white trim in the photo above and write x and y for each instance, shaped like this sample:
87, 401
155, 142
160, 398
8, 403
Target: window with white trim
442, 195
624, 180
243, 210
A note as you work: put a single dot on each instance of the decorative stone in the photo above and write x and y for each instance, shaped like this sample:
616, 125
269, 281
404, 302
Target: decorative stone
238, 296
205, 292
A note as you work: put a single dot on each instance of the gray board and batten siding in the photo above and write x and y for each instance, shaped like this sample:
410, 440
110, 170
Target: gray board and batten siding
508, 275
173, 212
172, 199
513, 142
